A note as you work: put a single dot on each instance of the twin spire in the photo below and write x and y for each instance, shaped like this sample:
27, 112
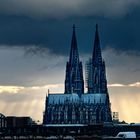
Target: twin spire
74, 82
96, 56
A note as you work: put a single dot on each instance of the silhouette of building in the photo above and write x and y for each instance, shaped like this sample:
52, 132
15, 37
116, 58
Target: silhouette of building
75, 106
13, 121
115, 117
2, 121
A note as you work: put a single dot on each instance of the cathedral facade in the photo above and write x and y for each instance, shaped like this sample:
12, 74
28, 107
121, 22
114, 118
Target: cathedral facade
74, 106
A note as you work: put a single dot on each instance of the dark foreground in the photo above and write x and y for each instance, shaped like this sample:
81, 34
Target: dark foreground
72, 132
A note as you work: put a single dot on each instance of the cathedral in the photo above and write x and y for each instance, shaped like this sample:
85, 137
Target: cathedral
74, 106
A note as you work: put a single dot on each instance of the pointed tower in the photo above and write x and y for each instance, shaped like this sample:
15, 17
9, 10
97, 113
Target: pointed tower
74, 82
96, 56
96, 75
96, 78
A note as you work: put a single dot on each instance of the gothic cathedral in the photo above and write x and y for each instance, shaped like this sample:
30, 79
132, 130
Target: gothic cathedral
75, 106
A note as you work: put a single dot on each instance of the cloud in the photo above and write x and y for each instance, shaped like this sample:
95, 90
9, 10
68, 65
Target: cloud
116, 85
121, 67
63, 8
137, 84
41, 36
21, 89
20, 69
10, 89
18, 93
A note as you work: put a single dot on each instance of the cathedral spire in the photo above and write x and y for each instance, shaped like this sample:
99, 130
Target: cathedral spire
74, 82
96, 75
97, 57
74, 56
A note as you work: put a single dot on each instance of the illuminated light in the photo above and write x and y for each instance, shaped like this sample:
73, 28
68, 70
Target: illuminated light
35, 88
19, 89
53, 86
137, 84
116, 85
127, 105
10, 89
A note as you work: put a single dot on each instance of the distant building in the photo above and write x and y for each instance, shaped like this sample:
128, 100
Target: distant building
2, 121
75, 106
115, 117
13, 121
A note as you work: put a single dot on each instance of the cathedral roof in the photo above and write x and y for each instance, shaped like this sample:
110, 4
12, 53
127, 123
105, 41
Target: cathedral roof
74, 98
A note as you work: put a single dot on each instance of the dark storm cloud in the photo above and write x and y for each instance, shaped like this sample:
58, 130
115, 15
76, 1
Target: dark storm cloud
64, 8
24, 31
118, 24
55, 35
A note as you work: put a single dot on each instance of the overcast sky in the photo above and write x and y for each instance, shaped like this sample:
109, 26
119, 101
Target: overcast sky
35, 37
